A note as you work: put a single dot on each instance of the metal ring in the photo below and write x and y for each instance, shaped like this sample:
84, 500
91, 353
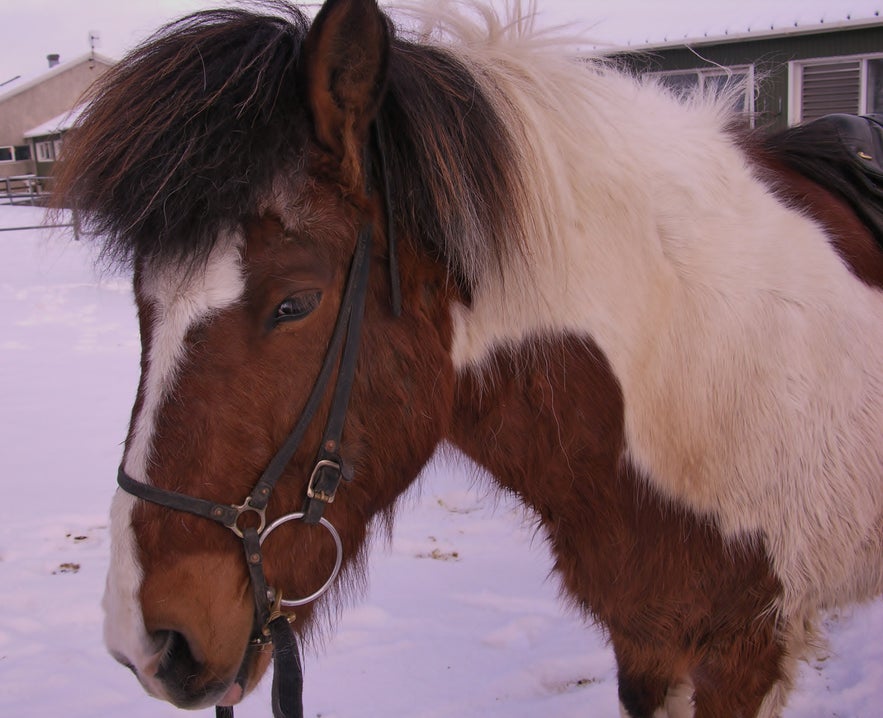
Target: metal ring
337, 563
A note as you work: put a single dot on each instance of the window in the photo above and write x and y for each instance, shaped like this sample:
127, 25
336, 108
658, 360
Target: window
45, 152
820, 87
716, 80
875, 85
19, 153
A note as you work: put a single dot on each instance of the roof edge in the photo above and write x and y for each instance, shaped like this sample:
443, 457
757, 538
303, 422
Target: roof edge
749, 35
59, 69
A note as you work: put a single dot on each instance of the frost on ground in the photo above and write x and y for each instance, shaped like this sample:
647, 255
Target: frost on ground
459, 618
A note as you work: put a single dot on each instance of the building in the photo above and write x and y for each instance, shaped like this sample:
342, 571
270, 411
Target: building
45, 139
791, 74
34, 112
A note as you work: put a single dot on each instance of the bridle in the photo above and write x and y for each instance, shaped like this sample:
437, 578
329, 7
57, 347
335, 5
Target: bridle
271, 624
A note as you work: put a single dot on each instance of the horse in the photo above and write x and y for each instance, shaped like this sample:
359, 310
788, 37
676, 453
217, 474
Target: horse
353, 242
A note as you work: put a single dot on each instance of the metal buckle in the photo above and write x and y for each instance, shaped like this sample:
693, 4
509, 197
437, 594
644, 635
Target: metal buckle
324, 496
243, 508
276, 612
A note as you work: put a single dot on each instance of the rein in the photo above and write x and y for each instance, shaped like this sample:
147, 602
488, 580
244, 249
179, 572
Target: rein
272, 625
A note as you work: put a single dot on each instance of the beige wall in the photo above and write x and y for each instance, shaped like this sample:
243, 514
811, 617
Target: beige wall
60, 91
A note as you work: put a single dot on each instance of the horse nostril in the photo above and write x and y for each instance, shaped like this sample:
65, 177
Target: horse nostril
182, 672
178, 662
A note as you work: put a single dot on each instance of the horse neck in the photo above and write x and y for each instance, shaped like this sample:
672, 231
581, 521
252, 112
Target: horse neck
547, 423
544, 421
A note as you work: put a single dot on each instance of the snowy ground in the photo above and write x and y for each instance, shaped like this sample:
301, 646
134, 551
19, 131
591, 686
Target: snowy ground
459, 619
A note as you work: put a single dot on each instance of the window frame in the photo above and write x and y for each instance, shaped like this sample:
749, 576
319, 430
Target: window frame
45, 151
728, 71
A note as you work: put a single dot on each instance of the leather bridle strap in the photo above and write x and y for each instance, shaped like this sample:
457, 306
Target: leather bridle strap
347, 329
395, 282
347, 332
325, 478
288, 677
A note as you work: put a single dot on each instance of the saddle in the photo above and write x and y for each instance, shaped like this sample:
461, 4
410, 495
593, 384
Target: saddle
844, 154
861, 138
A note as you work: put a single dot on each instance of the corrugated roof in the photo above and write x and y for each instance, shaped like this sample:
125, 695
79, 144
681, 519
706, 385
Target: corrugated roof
614, 24
756, 32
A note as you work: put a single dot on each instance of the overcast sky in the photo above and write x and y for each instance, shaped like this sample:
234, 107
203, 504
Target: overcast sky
31, 29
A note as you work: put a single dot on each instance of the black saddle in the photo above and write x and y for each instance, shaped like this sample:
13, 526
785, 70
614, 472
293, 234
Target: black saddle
860, 137
843, 153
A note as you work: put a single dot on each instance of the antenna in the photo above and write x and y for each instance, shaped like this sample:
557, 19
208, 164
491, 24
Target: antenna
94, 41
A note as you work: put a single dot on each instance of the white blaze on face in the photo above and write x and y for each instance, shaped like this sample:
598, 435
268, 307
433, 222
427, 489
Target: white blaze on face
179, 301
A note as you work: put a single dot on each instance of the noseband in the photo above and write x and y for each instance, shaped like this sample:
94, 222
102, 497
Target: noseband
271, 624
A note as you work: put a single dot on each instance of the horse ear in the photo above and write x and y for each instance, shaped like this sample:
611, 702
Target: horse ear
343, 60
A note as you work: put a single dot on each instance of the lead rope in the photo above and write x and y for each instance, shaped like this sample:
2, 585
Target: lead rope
288, 677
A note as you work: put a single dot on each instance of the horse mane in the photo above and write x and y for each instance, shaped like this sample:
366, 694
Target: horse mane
450, 160
184, 137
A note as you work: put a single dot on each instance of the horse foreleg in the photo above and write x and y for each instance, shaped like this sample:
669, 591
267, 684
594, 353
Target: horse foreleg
640, 696
742, 679
648, 685
677, 703
745, 675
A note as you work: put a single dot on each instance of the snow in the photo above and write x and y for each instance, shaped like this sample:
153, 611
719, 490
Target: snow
460, 617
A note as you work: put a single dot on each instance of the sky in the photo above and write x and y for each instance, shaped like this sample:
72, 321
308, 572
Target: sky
30, 30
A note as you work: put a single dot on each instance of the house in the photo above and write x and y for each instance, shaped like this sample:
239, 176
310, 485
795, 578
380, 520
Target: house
791, 73
34, 112
45, 139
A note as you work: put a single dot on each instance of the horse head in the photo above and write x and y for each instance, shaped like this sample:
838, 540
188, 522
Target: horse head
238, 306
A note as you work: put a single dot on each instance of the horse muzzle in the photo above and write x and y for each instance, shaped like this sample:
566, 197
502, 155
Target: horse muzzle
177, 674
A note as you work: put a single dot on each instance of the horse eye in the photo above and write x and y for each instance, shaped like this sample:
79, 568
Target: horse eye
297, 307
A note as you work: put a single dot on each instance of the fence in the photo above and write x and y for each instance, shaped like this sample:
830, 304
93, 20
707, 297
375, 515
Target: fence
34, 191
25, 189
45, 226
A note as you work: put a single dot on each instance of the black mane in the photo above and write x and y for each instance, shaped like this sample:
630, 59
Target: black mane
184, 137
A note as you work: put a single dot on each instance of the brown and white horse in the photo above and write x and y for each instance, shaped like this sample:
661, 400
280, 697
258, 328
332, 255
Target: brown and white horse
664, 340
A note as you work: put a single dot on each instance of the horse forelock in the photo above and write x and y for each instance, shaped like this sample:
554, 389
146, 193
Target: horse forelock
185, 135
189, 133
